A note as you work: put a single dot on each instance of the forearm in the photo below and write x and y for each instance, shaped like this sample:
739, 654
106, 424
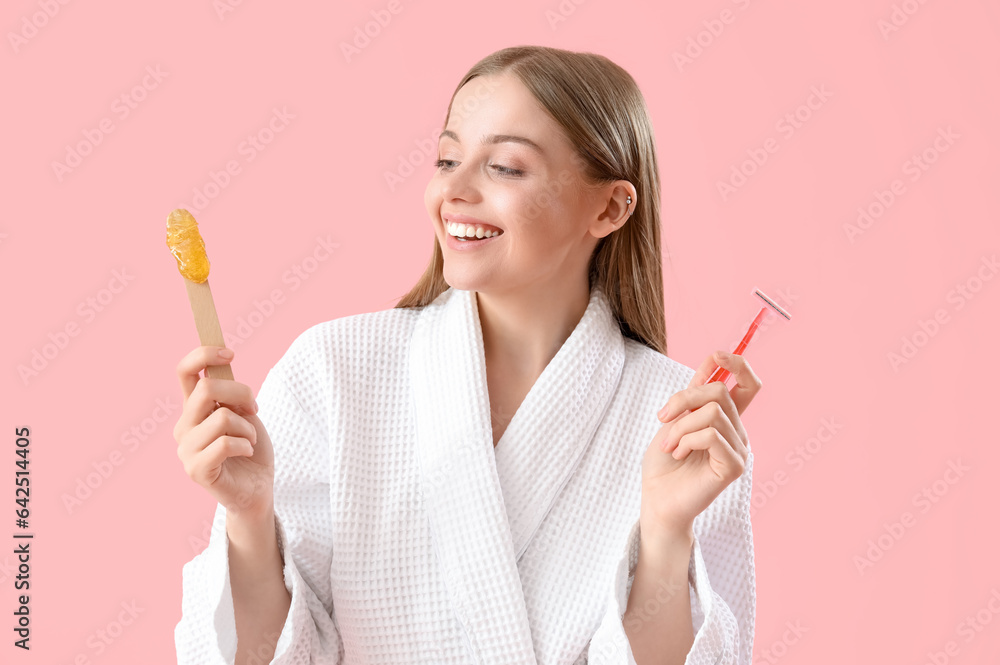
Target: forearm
260, 599
657, 618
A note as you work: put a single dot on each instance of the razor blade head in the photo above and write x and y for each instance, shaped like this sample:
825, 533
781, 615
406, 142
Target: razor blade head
773, 305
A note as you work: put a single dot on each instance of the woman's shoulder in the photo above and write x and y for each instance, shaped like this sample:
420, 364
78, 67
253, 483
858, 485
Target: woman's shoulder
364, 328
651, 366
349, 341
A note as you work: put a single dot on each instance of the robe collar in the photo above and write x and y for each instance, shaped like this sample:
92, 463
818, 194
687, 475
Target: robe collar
485, 504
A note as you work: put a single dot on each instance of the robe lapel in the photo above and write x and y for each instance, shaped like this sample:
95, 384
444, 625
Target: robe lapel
484, 505
555, 424
459, 480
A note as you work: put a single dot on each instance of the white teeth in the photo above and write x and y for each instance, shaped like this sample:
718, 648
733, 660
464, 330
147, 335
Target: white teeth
469, 231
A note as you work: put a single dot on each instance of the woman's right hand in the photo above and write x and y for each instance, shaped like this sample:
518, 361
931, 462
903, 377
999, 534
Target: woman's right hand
220, 439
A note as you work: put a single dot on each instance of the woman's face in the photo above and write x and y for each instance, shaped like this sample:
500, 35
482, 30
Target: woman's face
504, 162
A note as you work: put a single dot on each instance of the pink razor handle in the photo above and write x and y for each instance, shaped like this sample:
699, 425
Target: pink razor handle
721, 374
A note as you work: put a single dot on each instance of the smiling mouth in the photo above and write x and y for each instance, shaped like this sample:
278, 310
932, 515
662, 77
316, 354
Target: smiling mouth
470, 231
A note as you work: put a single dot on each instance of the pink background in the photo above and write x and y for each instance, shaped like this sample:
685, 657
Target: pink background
825, 497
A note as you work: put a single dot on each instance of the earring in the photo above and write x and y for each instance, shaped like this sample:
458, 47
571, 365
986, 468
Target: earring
628, 200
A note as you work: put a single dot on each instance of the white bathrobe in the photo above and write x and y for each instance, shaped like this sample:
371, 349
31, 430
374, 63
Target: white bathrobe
407, 538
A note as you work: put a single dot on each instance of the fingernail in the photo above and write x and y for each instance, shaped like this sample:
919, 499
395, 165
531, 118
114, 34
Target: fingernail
662, 413
225, 353
723, 354
255, 407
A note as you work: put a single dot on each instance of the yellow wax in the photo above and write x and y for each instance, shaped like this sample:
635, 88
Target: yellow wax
187, 246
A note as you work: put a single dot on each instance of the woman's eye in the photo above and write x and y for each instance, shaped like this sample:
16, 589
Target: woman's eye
507, 171
504, 170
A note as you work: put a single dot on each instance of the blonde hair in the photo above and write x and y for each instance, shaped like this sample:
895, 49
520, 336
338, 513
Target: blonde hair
603, 114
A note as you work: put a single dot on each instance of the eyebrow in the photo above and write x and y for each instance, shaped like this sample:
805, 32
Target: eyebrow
492, 139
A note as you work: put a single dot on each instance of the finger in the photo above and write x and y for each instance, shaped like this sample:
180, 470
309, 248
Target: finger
204, 468
700, 376
748, 384
694, 397
711, 415
206, 397
191, 365
223, 422
729, 465
704, 371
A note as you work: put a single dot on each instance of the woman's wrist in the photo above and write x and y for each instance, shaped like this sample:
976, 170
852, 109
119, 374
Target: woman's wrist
665, 545
252, 530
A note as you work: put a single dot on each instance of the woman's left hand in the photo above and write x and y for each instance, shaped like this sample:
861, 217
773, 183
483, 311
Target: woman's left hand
700, 450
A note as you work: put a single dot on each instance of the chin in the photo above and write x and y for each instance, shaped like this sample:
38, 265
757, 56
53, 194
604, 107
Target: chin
460, 282
462, 279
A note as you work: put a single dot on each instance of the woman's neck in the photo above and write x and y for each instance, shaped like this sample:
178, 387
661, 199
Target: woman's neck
524, 330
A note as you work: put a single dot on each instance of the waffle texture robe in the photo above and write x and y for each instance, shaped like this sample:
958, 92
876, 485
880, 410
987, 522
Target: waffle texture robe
407, 538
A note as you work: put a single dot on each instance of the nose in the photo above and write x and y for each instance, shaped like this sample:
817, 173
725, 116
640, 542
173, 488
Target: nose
461, 183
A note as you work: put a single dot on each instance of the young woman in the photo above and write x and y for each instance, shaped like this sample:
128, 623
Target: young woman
506, 467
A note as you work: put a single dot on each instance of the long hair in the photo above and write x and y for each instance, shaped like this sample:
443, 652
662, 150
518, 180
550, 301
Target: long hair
603, 114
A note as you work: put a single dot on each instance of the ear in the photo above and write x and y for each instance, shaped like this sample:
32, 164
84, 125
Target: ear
618, 201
